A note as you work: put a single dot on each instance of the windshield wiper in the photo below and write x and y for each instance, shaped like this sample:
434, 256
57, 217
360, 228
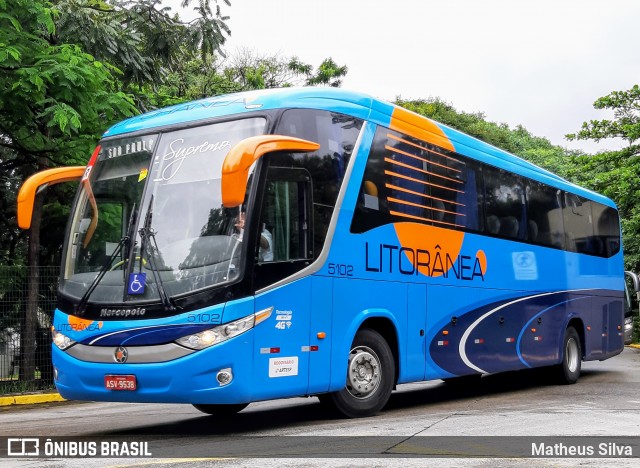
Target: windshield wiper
149, 234
82, 305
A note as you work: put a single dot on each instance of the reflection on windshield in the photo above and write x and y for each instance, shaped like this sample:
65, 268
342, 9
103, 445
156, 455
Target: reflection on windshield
195, 243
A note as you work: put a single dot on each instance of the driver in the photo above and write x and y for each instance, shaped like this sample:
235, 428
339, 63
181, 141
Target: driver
265, 252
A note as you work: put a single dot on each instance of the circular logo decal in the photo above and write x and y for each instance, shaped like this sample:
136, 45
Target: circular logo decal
121, 355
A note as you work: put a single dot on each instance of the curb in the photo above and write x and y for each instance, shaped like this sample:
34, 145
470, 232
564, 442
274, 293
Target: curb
30, 399
636, 346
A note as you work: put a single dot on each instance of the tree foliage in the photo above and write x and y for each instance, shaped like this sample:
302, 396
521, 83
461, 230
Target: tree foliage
245, 70
142, 38
625, 124
56, 99
616, 173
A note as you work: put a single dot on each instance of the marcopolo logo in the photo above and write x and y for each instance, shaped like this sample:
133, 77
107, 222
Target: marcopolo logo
139, 311
121, 355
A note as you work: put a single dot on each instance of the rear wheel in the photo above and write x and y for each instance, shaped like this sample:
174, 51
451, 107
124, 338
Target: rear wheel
370, 376
568, 371
221, 410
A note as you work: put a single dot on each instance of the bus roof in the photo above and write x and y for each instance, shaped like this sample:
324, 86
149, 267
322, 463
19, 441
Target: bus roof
347, 102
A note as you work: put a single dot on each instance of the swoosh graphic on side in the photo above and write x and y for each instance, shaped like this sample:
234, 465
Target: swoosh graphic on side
535, 317
468, 331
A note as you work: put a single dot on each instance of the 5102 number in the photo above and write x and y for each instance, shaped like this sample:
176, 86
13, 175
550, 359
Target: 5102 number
340, 269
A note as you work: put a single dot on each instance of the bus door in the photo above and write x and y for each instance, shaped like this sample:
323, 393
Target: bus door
281, 351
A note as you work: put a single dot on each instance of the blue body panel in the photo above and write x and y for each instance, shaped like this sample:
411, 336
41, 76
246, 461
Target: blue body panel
484, 312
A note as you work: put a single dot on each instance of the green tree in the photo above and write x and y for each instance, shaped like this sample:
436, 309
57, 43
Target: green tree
616, 173
143, 38
245, 70
626, 121
55, 100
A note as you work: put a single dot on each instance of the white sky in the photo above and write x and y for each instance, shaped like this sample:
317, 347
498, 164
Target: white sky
539, 63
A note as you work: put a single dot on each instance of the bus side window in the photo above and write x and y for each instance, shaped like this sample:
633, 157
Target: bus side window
607, 228
504, 198
578, 225
285, 232
544, 215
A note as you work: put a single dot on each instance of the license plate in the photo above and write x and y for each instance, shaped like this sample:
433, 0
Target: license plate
120, 382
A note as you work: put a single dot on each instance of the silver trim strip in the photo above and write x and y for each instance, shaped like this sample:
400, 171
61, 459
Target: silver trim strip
322, 258
137, 354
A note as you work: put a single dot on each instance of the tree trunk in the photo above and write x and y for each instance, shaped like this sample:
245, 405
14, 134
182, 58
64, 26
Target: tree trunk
30, 322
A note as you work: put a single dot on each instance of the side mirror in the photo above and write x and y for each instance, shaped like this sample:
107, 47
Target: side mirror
235, 168
635, 281
38, 182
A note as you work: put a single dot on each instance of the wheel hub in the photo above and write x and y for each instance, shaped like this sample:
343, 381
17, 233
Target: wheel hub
572, 355
364, 372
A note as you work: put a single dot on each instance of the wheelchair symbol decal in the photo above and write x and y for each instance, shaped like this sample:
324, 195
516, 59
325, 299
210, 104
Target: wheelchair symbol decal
137, 282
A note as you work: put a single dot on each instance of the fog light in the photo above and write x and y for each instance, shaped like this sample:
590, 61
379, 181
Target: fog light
224, 377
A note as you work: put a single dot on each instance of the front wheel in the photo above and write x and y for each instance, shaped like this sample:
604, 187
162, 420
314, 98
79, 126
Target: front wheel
568, 371
221, 410
370, 376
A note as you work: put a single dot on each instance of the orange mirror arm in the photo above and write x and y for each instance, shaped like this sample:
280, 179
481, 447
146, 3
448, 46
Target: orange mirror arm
29, 189
235, 168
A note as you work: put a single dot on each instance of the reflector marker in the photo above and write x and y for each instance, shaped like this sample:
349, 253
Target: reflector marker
537, 338
262, 315
269, 350
443, 343
306, 349
479, 341
510, 340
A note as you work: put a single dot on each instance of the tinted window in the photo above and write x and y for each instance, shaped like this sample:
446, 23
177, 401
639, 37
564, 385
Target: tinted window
606, 226
544, 225
578, 224
410, 180
590, 227
504, 199
337, 135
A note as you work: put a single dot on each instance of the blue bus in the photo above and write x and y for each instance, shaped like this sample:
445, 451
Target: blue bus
295, 242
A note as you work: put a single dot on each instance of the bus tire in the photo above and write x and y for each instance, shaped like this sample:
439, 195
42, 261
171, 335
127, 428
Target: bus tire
221, 410
370, 376
568, 371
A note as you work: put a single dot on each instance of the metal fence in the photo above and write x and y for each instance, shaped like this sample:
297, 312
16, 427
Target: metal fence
15, 367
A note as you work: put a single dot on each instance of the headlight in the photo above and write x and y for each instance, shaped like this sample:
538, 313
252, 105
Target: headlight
221, 333
61, 341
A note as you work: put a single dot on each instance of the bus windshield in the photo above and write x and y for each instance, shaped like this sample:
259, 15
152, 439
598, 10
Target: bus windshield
149, 222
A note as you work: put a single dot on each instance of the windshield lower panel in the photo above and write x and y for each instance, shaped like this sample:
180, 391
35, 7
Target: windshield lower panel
149, 221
